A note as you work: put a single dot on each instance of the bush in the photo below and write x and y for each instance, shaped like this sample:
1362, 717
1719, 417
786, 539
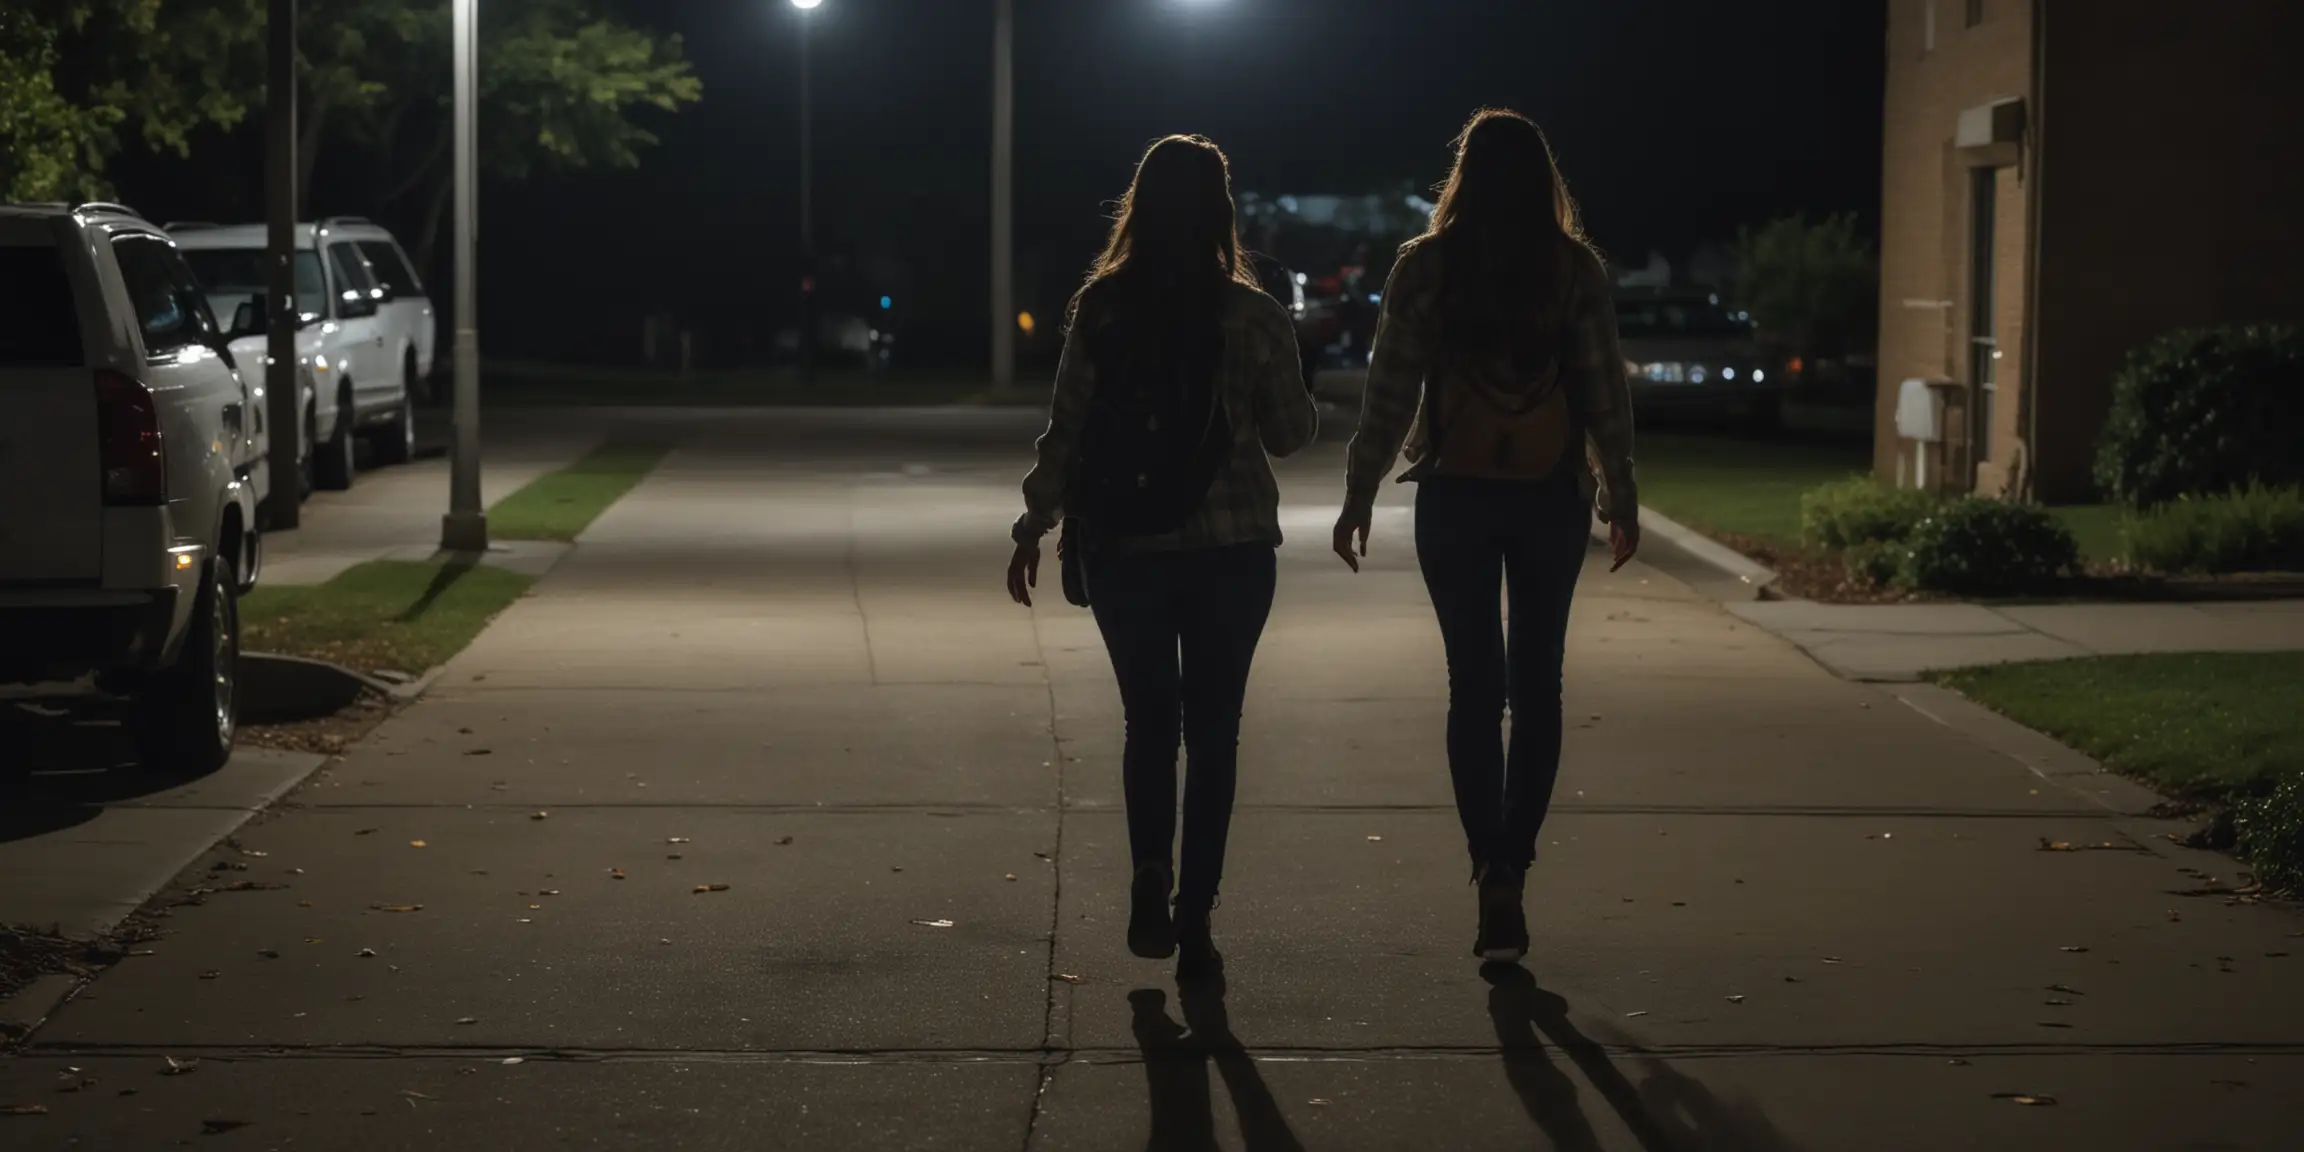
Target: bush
1981, 547
1873, 565
2270, 831
2256, 529
2204, 412
1861, 510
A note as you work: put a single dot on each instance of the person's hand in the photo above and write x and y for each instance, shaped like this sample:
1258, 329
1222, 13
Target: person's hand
1024, 573
1624, 541
1348, 525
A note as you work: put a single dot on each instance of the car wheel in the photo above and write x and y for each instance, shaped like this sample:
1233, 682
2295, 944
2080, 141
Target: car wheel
188, 714
397, 443
333, 466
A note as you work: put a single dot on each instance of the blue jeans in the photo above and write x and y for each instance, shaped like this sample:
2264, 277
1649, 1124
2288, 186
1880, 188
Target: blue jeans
1182, 629
1480, 542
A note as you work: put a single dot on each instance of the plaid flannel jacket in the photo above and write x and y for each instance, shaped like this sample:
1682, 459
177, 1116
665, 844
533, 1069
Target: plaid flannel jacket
1406, 358
1261, 382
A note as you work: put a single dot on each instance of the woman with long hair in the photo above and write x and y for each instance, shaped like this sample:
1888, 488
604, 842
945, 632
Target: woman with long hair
1496, 364
1179, 380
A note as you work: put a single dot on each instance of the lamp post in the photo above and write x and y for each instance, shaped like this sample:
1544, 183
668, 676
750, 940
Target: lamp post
284, 464
465, 527
1003, 196
807, 203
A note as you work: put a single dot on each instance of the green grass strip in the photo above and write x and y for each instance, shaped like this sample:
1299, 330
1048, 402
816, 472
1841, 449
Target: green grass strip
1743, 487
2201, 725
561, 505
408, 616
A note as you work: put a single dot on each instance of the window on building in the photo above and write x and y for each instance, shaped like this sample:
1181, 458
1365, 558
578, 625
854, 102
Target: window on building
1975, 12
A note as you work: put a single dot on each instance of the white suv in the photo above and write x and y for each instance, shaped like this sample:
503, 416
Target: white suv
367, 340
126, 449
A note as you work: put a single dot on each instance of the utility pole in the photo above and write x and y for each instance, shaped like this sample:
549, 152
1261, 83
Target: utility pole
283, 423
465, 528
1003, 197
807, 209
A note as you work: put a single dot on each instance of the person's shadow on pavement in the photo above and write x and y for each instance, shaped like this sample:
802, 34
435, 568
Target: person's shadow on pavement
1176, 1059
1667, 1112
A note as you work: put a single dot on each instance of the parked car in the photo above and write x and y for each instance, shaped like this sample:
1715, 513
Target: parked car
1687, 354
129, 531
372, 336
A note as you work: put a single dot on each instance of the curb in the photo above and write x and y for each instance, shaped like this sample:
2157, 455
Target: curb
1727, 560
283, 689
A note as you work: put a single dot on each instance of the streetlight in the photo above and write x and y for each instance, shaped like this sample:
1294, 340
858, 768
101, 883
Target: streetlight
1003, 196
807, 206
465, 528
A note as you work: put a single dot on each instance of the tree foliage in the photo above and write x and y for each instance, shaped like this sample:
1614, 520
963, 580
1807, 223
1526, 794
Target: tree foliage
1812, 285
80, 78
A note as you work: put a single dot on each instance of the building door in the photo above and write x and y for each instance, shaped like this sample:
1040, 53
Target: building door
1983, 343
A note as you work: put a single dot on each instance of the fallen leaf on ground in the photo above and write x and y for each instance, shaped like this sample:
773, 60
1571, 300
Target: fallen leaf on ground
396, 907
268, 953
933, 923
2057, 1003
213, 1127
1375, 839
2051, 1024
1735, 999
312, 940
416, 844
365, 832
210, 974
23, 1109
671, 855
513, 1060
783, 840
478, 752
2037, 1101
2073, 948
467, 1019
676, 840
1831, 959
710, 888
1956, 1061
539, 815
176, 1067
2067, 989
1008, 876
365, 953
615, 873
1068, 977
1317, 1101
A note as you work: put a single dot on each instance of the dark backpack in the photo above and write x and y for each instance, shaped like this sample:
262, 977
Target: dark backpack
1156, 432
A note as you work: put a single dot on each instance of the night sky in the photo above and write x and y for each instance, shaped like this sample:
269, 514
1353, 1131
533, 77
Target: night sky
1675, 121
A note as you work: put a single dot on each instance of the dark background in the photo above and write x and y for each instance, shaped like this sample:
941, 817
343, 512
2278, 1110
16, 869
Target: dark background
1676, 121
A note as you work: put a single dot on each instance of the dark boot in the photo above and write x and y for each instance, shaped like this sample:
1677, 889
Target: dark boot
1503, 935
1150, 933
1197, 960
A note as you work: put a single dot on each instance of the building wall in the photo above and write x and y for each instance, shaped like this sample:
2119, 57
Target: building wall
1938, 66
2173, 194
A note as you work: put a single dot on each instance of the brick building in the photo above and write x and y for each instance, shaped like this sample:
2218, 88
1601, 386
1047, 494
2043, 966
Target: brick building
2065, 179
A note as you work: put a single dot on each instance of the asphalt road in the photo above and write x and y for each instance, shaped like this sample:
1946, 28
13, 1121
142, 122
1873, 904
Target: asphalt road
1776, 910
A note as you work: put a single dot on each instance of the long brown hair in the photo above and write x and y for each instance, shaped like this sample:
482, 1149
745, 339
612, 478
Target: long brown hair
1509, 237
1176, 229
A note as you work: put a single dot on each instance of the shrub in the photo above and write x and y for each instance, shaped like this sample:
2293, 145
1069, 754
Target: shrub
1861, 510
2270, 831
1873, 564
1982, 547
2203, 412
2255, 529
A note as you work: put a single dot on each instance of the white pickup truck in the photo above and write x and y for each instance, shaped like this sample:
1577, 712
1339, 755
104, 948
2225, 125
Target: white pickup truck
128, 448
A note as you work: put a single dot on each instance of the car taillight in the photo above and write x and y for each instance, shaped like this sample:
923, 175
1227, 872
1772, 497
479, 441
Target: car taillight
128, 438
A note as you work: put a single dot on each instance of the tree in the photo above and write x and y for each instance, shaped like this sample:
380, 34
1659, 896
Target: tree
560, 83
79, 76
1811, 285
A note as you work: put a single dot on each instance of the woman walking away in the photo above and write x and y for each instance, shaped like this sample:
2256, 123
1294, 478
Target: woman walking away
1178, 378
1496, 362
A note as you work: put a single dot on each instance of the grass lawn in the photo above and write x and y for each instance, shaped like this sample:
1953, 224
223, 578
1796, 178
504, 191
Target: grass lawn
2193, 724
2098, 529
518, 385
386, 614
560, 505
1742, 487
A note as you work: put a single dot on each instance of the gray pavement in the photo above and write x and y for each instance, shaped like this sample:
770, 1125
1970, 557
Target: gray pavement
1903, 642
395, 512
1777, 909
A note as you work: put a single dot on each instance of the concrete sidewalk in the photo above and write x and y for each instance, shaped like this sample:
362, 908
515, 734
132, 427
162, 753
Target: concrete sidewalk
1776, 910
396, 511
1903, 642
